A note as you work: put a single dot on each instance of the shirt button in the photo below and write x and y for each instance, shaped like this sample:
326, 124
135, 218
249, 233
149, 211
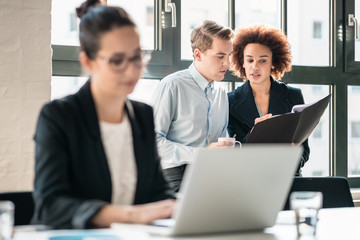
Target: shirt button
209, 114
209, 136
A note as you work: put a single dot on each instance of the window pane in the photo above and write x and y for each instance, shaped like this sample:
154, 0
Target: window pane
238, 84
142, 11
222, 84
357, 42
353, 131
193, 13
257, 12
317, 30
308, 31
64, 22
318, 163
62, 86
144, 90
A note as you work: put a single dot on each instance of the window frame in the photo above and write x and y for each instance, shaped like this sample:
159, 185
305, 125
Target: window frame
338, 75
351, 66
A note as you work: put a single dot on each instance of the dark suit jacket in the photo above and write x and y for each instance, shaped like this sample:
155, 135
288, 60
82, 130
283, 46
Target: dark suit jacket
72, 176
243, 111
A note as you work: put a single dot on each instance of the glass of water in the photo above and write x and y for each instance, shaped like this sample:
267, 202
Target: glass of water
306, 206
6, 220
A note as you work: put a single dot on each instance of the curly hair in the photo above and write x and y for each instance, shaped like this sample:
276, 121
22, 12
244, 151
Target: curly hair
270, 37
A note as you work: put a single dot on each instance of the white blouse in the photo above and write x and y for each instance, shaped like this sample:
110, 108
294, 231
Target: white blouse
119, 149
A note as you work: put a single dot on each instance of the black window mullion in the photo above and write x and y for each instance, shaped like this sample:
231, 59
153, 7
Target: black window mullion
65, 61
340, 128
312, 75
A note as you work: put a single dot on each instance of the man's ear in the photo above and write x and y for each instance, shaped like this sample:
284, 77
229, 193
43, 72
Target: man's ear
197, 55
85, 61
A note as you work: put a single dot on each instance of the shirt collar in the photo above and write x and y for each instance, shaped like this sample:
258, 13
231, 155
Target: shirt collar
199, 79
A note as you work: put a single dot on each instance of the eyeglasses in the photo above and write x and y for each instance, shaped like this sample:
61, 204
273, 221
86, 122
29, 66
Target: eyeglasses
121, 62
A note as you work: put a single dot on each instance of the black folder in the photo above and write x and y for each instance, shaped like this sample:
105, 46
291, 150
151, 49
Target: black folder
294, 127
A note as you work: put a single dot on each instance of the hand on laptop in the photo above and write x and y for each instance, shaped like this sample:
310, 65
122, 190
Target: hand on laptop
140, 214
146, 213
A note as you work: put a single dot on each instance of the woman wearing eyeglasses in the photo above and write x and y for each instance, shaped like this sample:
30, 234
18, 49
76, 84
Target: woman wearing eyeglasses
96, 156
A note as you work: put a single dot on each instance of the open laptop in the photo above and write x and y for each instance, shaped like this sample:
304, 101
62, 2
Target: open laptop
229, 190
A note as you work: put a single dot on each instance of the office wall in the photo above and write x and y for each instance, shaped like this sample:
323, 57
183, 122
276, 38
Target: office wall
25, 74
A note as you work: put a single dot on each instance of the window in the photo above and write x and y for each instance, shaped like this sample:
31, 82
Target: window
355, 89
352, 46
150, 16
317, 30
62, 86
74, 23
357, 41
257, 12
325, 60
137, 10
353, 132
317, 89
355, 129
193, 14
301, 19
317, 133
318, 163
144, 90
64, 22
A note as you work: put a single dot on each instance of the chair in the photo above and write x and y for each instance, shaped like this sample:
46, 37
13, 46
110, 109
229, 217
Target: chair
24, 206
335, 190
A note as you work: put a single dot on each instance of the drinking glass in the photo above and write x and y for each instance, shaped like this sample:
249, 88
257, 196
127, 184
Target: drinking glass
306, 206
6, 219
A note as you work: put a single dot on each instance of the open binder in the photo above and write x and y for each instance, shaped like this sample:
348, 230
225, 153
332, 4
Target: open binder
294, 127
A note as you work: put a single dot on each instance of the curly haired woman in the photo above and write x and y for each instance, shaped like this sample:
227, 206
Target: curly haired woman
261, 57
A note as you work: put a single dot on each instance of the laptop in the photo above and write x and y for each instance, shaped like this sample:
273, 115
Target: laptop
230, 190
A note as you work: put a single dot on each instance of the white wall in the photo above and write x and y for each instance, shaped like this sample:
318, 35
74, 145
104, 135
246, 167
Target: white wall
25, 74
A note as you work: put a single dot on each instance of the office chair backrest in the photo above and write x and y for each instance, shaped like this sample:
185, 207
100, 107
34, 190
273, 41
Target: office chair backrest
24, 206
335, 190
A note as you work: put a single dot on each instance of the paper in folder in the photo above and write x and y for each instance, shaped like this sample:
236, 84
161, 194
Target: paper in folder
294, 127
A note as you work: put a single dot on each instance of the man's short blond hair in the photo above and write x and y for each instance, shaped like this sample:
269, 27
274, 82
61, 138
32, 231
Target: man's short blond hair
202, 36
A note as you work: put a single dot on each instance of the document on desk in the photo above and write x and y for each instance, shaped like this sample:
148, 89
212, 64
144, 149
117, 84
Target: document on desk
294, 127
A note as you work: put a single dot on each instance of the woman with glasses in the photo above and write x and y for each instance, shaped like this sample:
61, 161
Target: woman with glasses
96, 156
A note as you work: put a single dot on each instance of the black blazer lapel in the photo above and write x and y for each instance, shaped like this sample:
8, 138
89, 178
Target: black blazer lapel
244, 107
279, 102
92, 122
89, 111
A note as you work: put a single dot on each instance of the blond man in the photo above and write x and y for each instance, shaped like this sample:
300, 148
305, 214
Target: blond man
190, 112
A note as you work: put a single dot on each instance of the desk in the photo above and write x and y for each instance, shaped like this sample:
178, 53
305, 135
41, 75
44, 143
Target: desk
335, 223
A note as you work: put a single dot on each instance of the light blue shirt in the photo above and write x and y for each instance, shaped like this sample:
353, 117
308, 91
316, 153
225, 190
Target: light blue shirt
190, 113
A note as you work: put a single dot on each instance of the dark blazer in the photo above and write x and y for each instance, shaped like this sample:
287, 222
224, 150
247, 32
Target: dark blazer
243, 111
72, 176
